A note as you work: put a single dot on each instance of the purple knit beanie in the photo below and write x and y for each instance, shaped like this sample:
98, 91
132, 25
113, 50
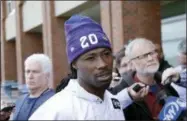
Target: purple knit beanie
82, 35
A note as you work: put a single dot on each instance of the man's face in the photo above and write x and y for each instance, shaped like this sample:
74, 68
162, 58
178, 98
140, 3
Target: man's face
35, 77
124, 66
145, 58
94, 68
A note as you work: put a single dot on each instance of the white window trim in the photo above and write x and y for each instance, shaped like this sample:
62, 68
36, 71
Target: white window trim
10, 7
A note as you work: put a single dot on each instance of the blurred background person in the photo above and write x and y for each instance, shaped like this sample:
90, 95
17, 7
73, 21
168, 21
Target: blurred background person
182, 57
38, 74
122, 66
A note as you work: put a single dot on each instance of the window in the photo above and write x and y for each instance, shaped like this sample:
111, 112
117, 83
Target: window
173, 32
10, 6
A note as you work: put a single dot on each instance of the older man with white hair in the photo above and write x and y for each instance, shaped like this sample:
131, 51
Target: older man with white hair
38, 74
143, 56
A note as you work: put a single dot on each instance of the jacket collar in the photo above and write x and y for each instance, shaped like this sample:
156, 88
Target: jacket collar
80, 92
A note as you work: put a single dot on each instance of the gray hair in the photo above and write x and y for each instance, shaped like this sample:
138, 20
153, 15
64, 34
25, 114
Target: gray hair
136, 41
182, 46
44, 60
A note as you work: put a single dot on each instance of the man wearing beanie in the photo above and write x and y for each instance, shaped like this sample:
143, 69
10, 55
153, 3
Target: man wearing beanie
89, 52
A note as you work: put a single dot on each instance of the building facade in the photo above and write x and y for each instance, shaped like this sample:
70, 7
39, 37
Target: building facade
38, 27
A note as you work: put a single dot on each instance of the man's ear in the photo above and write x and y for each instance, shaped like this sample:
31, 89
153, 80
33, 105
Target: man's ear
47, 75
74, 65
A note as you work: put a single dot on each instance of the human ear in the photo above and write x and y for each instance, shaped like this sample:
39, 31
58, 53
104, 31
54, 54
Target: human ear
74, 65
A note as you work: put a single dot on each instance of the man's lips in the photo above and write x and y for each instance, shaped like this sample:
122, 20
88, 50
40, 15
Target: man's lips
103, 74
152, 64
31, 83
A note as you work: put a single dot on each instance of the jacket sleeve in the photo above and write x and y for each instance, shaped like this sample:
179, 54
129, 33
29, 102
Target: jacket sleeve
44, 113
52, 109
124, 98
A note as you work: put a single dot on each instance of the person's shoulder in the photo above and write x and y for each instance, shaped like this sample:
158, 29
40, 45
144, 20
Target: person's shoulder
50, 93
60, 99
110, 94
21, 97
58, 107
20, 100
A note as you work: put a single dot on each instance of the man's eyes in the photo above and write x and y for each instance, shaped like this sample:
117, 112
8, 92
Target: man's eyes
90, 58
145, 55
124, 65
32, 71
142, 56
107, 53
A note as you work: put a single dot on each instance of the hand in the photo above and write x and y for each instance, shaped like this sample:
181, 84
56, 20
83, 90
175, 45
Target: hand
169, 72
4, 115
115, 76
140, 94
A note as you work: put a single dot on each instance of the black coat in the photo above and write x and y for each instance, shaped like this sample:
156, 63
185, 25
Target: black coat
163, 65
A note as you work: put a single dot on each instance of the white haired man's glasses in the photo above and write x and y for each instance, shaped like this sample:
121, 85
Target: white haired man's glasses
145, 56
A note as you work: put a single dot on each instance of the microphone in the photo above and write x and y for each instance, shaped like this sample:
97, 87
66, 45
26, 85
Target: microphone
158, 77
137, 88
174, 109
8, 108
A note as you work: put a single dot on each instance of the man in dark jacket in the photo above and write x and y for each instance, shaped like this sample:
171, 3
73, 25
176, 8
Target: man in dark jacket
144, 57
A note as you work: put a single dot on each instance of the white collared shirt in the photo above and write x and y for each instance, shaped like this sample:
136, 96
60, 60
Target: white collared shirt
75, 103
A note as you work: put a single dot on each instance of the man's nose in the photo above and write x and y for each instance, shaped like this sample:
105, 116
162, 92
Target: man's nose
150, 57
101, 63
30, 75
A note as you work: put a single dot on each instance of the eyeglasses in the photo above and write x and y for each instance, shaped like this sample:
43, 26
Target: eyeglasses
141, 57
